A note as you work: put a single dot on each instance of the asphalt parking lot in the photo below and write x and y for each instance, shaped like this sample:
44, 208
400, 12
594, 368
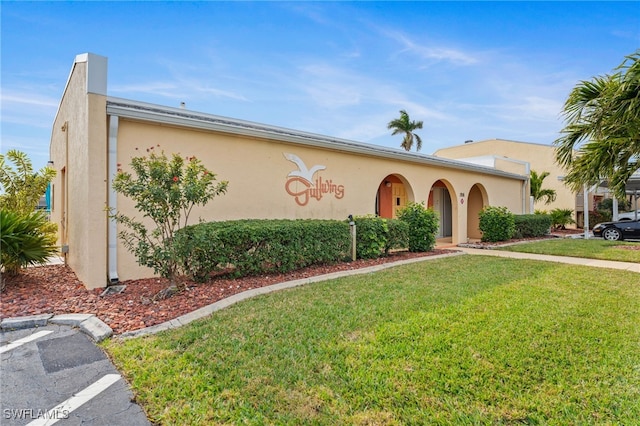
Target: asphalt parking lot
57, 375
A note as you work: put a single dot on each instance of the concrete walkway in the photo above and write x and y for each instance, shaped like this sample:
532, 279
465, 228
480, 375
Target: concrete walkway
626, 266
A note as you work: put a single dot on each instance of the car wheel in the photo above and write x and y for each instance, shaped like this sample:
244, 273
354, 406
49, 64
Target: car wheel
612, 234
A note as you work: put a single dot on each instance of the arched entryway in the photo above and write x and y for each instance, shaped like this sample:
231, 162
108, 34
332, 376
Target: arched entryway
476, 201
393, 194
440, 201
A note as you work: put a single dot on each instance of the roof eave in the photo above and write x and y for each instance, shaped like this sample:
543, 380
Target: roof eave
186, 118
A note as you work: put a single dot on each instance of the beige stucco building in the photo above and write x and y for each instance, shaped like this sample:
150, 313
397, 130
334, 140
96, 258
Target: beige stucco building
538, 157
273, 172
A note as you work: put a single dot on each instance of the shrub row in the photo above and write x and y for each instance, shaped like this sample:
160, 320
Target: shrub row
415, 229
532, 225
499, 224
251, 247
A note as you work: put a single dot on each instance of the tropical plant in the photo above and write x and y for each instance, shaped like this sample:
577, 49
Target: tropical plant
537, 192
22, 240
601, 139
22, 187
407, 127
165, 192
560, 218
28, 238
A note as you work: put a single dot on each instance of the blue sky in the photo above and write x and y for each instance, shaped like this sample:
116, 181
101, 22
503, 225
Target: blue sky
469, 70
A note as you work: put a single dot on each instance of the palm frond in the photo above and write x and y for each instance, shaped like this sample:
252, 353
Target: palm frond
602, 132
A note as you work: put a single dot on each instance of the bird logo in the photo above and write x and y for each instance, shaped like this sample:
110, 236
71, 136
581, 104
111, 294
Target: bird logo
303, 172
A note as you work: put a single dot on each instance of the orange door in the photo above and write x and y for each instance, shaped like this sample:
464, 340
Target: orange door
399, 198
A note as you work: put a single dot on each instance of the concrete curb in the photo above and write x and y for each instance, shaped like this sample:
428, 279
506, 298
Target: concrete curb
224, 303
596, 263
88, 323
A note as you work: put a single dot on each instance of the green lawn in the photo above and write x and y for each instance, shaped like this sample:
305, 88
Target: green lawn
591, 249
460, 340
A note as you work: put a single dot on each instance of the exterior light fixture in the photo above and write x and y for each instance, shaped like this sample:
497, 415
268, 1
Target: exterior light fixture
387, 184
50, 163
352, 231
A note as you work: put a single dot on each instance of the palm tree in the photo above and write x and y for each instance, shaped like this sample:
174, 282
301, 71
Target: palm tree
535, 180
406, 126
601, 139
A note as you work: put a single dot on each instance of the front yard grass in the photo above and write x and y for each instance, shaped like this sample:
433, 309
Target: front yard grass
459, 340
591, 249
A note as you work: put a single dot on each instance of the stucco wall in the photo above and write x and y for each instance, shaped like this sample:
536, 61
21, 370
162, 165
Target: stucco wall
540, 157
79, 189
257, 171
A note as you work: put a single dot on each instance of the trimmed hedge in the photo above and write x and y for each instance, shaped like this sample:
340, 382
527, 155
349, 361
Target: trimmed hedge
249, 247
496, 224
371, 236
532, 225
398, 236
423, 226
376, 236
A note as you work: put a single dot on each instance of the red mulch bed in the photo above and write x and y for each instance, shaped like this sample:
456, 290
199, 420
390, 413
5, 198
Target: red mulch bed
56, 290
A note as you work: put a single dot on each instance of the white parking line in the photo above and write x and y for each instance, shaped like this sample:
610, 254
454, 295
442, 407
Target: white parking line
24, 340
62, 410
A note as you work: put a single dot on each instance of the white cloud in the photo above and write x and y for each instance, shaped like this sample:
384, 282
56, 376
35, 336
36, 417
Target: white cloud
30, 99
181, 88
27, 108
330, 87
432, 53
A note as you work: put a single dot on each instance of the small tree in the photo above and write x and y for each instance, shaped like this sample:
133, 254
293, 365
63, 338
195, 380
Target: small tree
22, 187
165, 191
607, 204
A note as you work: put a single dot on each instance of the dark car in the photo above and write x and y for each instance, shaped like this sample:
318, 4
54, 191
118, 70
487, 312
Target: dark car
615, 231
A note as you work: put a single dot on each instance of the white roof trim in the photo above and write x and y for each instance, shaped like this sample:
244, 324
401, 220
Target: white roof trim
96, 76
